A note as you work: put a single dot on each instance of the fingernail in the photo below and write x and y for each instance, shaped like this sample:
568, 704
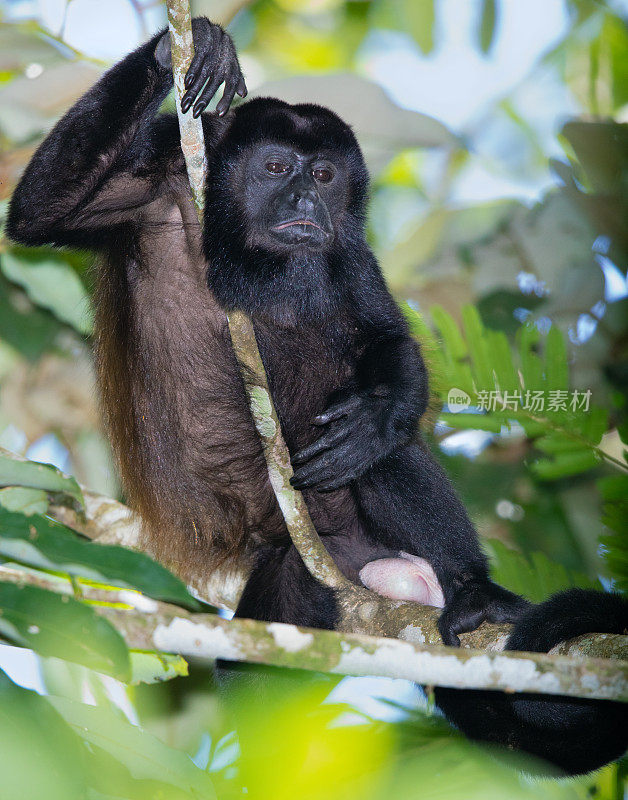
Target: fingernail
198, 110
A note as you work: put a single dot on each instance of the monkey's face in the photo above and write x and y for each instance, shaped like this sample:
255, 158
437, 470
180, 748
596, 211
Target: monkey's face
284, 209
292, 199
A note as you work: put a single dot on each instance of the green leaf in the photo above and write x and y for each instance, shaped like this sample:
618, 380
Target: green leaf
566, 464
614, 487
416, 17
417, 324
595, 424
38, 476
26, 501
43, 543
156, 667
53, 284
487, 25
501, 357
437, 368
40, 755
57, 625
144, 756
556, 371
525, 396
531, 364
449, 331
554, 443
478, 347
536, 579
478, 422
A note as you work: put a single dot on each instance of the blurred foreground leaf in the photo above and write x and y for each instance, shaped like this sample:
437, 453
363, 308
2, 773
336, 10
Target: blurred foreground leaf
44, 543
320, 758
57, 625
26, 501
420, 16
20, 45
34, 475
40, 756
142, 754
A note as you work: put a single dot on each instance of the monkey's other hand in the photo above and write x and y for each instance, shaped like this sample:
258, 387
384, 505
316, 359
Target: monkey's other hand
475, 602
358, 432
215, 59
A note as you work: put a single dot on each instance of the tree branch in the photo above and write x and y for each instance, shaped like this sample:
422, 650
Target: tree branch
190, 129
160, 626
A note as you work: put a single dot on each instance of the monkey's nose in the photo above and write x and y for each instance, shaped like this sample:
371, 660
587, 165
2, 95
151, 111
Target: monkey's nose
304, 197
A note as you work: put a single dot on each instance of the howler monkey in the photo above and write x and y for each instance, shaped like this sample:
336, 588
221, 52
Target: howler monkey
284, 241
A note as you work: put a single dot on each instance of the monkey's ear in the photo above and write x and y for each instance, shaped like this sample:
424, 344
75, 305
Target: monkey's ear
162, 51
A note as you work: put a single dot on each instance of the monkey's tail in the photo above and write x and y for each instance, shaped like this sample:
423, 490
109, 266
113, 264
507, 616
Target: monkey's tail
574, 734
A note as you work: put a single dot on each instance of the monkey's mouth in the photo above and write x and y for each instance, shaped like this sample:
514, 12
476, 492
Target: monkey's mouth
292, 222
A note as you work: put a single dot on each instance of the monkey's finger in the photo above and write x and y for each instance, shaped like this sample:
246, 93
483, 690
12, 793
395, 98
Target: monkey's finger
319, 469
338, 410
203, 63
297, 481
326, 442
242, 90
194, 69
319, 482
206, 40
336, 483
333, 468
349, 470
196, 86
208, 92
227, 97
333, 478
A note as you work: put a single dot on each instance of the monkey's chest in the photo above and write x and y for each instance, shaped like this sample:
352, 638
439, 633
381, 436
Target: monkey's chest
305, 366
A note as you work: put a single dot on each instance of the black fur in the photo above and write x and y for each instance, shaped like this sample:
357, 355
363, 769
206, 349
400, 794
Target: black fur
348, 381
576, 735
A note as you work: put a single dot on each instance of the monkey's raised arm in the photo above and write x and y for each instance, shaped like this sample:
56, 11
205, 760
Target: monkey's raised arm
102, 161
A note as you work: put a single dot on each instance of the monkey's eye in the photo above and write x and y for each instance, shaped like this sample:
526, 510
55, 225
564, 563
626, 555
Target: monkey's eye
276, 168
322, 175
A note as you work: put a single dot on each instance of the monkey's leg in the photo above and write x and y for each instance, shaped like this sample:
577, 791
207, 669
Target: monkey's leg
408, 504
